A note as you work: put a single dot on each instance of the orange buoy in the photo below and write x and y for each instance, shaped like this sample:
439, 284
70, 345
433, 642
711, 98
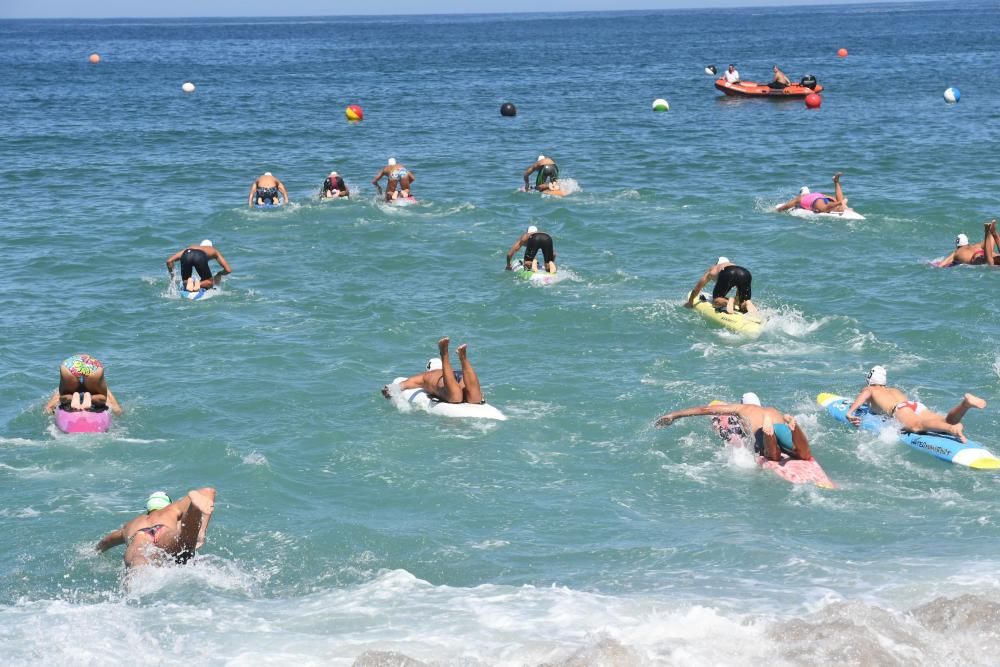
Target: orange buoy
95, 58
813, 101
842, 53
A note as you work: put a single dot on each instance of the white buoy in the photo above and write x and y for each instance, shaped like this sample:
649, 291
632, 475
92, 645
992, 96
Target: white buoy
660, 104
188, 87
952, 95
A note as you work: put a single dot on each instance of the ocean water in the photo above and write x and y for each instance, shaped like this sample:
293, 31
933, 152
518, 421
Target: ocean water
575, 533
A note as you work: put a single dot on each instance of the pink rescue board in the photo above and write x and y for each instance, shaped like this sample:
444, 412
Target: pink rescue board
83, 421
730, 429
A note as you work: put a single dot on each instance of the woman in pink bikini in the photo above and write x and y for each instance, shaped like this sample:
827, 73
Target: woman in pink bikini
818, 202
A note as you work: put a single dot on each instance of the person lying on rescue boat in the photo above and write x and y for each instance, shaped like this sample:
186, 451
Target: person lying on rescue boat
817, 202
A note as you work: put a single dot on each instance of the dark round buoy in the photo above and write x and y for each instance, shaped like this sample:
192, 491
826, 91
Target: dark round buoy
508, 109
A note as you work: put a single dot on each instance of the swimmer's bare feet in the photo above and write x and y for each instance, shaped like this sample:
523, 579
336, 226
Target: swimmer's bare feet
443, 346
836, 177
462, 349
202, 502
75, 402
974, 401
191, 286
86, 403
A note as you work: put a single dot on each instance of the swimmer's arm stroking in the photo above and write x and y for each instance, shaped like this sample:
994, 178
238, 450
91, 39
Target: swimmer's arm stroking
862, 398
697, 289
112, 539
50, 407
113, 403
717, 409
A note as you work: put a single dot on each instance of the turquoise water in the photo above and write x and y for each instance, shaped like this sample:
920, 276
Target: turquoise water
575, 532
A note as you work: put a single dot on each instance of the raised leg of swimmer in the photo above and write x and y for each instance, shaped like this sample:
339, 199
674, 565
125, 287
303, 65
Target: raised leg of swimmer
800, 443
771, 451
473, 392
838, 192
968, 401
990, 243
194, 522
452, 390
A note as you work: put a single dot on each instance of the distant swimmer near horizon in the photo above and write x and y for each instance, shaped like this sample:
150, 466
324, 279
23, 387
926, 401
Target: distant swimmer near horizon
817, 202
444, 383
759, 421
167, 532
913, 416
727, 276
265, 190
976, 254
82, 386
195, 258
548, 174
398, 180
533, 241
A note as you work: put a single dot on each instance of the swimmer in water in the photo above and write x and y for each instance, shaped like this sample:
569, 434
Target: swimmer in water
533, 241
334, 187
548, 174
196, 257
444, 383
398, 180
167, 532
913, 416
987, 252
773, 431
817, 202
727, 276
265, 190
82, 386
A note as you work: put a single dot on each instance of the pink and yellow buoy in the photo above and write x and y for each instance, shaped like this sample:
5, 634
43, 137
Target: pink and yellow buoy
354, 113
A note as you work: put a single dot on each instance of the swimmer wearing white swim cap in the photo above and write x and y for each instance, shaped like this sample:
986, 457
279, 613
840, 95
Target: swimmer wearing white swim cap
985, 253
444, 383
194, 259
774, 432
398, 180
264, 191
912, 415
547, 174
334, 187
533, 240
817, 202
727, 277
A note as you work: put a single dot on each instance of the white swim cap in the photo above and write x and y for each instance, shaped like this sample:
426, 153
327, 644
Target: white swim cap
803, 190
876, 375
434, 364
333, 173
206, 242
157, 501
540, 158
723, 260
532, 229
750, 398
267, 173
961, 240
392, 161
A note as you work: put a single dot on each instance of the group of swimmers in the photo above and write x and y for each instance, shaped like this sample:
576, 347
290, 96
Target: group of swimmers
268, 190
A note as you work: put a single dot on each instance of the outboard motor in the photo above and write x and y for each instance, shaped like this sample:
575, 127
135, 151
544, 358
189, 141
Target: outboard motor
809, 81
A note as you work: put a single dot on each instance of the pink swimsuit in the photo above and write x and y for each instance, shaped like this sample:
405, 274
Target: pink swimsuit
808, 200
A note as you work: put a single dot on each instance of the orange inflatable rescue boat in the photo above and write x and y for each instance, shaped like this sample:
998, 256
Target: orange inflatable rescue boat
796, 91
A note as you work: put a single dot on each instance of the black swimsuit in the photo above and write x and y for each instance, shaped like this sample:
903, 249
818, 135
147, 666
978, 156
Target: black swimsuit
197, 260
730, 277
539, 241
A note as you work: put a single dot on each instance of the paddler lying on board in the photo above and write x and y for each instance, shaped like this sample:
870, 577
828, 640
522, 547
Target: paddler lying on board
987, 252
548, 174
773, 431
398, 180
168, 531
444, 383
82, 386
334, 187
817, 202
914, 416
265, 190
727, 276
533, 241
195, 258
